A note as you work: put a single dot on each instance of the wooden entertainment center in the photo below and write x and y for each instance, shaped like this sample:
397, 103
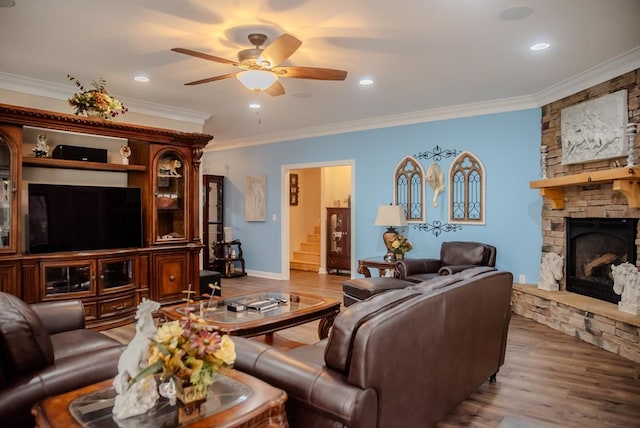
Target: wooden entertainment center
163, 164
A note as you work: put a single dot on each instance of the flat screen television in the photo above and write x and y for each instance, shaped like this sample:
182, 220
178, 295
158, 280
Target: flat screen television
73, 218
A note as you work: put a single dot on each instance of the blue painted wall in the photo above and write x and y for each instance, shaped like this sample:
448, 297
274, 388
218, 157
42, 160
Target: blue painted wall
508, 144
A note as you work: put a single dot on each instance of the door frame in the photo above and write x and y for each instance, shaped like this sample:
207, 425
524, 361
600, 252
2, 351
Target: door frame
284, 212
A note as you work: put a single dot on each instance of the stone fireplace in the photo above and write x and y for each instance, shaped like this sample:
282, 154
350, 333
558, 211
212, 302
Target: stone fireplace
593, 246
590, 217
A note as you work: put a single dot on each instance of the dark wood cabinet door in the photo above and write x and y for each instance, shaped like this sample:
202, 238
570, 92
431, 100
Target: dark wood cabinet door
170, 277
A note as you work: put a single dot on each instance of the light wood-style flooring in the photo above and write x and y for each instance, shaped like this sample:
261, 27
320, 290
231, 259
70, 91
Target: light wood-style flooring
549, 379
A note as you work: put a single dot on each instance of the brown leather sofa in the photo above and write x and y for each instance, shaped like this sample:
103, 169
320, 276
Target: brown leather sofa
45, 350
455, 256
403, 358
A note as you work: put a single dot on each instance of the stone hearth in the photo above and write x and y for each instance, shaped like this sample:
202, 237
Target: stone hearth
591, 320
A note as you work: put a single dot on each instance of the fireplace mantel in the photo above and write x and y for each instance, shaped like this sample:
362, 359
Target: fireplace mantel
626, 180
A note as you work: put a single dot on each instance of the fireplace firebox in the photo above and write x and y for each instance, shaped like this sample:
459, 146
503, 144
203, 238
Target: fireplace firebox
593, 246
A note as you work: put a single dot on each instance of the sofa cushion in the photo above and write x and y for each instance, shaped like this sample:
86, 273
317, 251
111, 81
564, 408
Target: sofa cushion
436, 283
24, 341
338, 351
462, 253
363, 288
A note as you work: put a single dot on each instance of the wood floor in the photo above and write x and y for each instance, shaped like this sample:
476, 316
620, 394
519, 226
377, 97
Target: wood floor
549, 379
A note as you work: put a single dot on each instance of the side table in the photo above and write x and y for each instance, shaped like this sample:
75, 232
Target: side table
378, 263
228, 258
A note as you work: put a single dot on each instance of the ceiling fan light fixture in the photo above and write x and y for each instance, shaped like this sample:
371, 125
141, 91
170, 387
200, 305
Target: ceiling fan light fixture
257, 79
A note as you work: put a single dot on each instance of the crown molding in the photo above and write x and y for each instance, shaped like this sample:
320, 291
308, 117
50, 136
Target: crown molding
411, 118
608, 70
58, 91
617, 66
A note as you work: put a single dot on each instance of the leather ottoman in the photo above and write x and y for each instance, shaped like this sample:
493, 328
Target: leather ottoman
210, 277
355, 290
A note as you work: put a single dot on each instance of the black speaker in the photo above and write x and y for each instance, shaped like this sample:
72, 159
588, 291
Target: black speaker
88, 154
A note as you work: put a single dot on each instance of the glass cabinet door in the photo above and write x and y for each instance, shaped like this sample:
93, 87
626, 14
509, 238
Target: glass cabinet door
213, 207
5, 195
170, 201
116, 274
64, 279
337, 233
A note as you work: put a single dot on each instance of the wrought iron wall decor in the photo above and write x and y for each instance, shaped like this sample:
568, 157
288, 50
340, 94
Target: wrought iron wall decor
437, 154
437, 227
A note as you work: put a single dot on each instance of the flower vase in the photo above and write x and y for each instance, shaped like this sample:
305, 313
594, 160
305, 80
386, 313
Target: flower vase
96, 113
399, 255
190, 400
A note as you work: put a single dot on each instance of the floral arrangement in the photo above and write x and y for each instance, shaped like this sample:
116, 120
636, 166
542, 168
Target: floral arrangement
189, 349
96, 101
401, 244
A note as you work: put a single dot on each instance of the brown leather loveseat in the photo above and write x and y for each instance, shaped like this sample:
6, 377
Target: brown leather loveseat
405, 358
45, 350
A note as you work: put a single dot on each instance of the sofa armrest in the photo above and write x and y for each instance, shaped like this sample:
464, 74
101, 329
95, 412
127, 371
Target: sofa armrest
308, 382
408, 267
59, 316
450, 270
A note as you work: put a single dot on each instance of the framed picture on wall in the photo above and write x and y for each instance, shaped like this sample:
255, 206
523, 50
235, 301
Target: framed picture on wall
293, 189
255, 200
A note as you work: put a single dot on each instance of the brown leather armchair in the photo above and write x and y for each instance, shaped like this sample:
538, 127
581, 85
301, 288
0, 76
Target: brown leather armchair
455, 256
404, 358
45, 350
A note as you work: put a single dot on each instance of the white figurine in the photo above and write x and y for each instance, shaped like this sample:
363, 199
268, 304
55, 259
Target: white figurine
142, 395
550, 272
435, 178
125, 152
626, 282
41, 149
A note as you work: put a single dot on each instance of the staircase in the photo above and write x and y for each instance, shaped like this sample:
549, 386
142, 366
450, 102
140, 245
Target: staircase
308, 258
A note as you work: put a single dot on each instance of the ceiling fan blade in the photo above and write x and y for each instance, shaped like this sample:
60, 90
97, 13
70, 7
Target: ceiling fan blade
211, 79
205, 56
281, 49
275, 89
310, 73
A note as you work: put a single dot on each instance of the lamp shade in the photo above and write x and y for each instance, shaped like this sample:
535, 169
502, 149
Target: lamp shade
257, 79
390, 215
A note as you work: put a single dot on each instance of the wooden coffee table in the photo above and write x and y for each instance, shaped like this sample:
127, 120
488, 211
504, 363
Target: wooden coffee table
292, 310
261, 405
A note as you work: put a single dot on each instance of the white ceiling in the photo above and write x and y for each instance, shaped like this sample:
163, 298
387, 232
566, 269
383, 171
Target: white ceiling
429, 58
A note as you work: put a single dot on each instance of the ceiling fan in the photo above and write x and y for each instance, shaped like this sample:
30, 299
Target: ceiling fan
260, 69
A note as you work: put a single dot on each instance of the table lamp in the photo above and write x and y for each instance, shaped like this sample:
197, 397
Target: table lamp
390, 216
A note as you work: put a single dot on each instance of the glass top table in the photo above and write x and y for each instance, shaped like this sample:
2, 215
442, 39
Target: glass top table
236, 315
94, 410
234, 400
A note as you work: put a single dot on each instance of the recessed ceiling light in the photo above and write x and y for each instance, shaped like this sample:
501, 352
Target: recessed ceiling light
254, 105
141, 78
366, 82
540, 46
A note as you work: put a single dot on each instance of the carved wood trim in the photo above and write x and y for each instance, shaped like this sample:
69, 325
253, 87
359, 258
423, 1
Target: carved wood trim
68, 122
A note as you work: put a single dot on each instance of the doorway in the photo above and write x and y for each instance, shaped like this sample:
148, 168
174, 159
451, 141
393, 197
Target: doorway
334, 186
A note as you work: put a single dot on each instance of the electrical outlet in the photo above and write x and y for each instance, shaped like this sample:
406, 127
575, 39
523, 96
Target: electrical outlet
522, 278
